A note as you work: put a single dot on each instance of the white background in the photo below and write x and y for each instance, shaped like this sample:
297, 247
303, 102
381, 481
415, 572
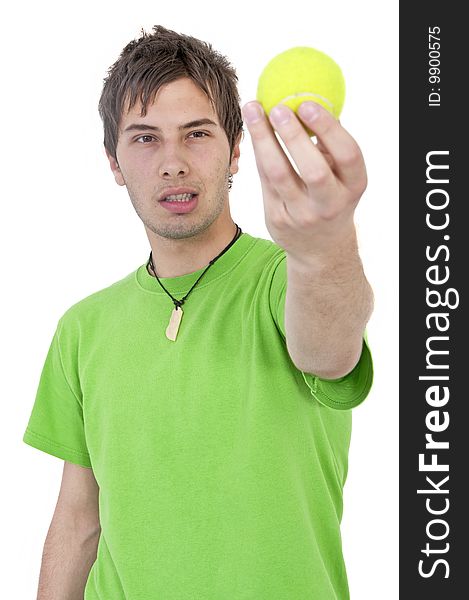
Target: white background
68, 230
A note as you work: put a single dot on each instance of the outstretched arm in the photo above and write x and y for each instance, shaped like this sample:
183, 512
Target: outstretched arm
310, 214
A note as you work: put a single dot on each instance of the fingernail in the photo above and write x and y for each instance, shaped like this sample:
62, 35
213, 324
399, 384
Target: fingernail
252, 112
280, 114
309, 110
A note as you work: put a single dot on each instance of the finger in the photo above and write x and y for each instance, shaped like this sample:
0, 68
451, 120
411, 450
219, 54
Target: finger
330, 161
348, 160
274, 167
312, 165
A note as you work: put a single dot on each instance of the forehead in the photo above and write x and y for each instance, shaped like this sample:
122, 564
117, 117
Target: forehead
174, 102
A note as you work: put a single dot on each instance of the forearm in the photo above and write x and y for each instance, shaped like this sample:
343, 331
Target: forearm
327, 306
66, 562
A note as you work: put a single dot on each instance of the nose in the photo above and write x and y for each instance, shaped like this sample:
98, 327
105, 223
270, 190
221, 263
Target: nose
173, 163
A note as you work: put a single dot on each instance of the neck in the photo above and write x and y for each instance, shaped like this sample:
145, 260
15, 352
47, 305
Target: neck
176, 257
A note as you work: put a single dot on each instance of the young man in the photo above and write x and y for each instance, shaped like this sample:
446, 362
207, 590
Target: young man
202, 403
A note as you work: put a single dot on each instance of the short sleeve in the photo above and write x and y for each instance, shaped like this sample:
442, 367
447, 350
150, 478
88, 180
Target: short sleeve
56, 422
343, 393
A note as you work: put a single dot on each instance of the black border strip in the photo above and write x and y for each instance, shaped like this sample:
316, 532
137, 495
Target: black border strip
434, 268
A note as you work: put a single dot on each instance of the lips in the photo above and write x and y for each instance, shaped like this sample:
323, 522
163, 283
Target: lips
174, 191
180, 208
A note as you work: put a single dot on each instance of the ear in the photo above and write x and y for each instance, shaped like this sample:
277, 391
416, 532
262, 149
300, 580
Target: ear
115, 168
235, 156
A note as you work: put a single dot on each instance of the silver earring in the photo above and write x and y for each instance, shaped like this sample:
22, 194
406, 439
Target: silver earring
230, 181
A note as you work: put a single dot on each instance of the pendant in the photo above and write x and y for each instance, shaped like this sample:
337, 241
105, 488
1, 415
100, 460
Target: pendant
174, 322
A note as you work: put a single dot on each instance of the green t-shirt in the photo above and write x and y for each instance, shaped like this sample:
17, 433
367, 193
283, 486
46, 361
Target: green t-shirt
220, 465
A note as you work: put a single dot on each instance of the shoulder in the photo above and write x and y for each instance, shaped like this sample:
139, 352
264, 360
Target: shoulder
97, 305
266, 252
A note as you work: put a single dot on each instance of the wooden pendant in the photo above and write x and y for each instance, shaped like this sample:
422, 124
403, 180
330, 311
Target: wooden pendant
174, 322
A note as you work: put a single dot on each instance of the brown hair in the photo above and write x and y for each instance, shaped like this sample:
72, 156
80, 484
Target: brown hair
161, 57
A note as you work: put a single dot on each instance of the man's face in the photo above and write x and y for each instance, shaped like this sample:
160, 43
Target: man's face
179, 143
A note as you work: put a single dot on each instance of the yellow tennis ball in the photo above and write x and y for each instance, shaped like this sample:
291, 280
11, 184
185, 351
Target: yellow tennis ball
301, 74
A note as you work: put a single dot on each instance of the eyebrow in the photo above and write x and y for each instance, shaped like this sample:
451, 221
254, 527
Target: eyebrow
144, 127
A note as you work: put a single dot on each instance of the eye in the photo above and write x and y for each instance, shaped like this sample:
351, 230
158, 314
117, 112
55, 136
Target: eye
199, 134
145, 139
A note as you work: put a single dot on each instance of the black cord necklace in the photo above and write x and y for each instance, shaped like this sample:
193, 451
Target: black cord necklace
176, 315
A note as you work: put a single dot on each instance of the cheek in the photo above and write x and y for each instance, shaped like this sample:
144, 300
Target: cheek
138, 173
215, 165
211, 157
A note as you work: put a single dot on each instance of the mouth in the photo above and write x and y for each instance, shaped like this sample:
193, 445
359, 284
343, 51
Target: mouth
180, 203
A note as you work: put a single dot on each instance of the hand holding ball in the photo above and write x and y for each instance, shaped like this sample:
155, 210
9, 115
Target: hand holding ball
301, 74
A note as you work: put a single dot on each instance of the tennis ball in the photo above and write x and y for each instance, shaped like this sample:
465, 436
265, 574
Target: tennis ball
300, 74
